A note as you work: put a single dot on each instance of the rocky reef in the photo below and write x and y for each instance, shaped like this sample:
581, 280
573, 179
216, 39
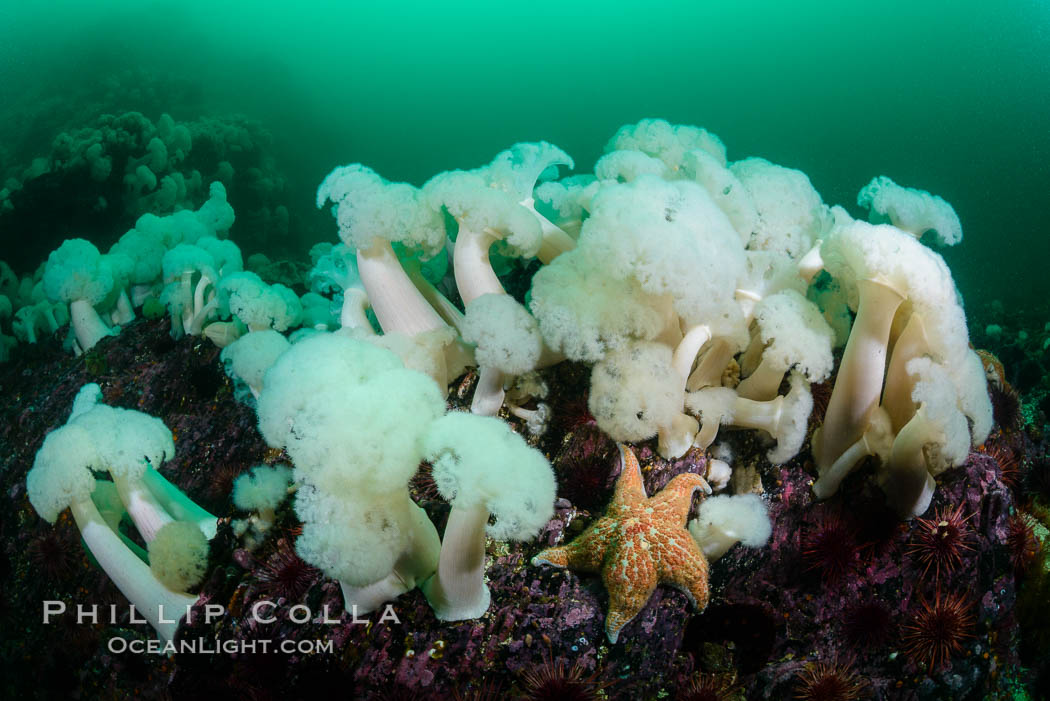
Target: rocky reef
844, 596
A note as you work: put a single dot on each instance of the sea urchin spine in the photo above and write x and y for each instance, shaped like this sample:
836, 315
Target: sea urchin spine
941, 542
829, 681
1020, 539
710, 687
285, 574
937, 630
831, 548
551, 680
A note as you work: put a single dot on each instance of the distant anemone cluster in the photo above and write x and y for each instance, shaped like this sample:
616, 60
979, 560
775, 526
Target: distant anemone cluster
99, 177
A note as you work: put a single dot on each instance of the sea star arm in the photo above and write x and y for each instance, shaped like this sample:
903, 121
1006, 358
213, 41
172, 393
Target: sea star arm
677, 496
629, 487
630, 578
683, 566
584, 554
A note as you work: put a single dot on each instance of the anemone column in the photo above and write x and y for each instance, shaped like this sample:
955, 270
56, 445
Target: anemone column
858, 384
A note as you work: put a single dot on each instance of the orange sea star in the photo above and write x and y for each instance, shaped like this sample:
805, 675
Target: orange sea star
639, 542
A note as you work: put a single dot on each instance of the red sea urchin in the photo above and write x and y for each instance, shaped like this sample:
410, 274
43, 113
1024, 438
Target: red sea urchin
1020, 539
1008, 461
485, 690
831, 547
937, 630
867, 623
584, 466
710, 687
285, 574
829, 681
1006, 407
422, 483
941, 542
552, 681
53, 553
220, 479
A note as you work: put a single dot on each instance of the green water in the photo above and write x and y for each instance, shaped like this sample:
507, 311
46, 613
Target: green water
952, 97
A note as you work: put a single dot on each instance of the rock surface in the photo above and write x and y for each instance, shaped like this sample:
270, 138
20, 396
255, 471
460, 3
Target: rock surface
774, 611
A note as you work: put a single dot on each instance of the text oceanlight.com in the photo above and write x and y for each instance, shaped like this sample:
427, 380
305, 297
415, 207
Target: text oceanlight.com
200, 646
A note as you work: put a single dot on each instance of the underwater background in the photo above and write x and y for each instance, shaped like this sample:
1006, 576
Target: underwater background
951, 98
